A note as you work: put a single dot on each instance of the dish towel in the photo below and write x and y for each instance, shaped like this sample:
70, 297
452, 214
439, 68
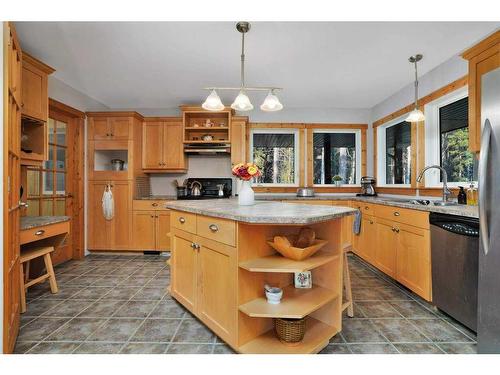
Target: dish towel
356, 225
108, 204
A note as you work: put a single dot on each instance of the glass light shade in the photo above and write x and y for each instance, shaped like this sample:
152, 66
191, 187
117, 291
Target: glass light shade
213, 102
242, 103
415, 116
271, 103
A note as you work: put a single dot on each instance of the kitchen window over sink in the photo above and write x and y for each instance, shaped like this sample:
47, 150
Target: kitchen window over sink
336, 153
275, 151
394, 143
447, 140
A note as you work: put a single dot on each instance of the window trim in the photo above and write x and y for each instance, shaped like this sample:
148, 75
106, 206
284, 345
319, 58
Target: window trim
297, 161
432, 136
381, 158
358, 145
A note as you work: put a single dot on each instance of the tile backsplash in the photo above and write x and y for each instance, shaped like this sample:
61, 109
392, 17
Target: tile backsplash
199, 166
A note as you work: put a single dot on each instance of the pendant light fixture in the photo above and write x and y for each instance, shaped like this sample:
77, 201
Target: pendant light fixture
416, 115
242, 101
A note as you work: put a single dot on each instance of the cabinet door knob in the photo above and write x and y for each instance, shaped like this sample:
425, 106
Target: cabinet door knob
396, 230
154, 204
366, 207
152, 216
23, 204
371, 221
39, 232
213, 227
112, 135
182, 220
396, 213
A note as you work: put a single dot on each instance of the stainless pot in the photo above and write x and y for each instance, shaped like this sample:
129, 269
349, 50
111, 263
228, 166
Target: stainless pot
305, 192
117, 164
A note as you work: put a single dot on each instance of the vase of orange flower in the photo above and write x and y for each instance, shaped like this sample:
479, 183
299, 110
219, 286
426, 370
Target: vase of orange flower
246, 172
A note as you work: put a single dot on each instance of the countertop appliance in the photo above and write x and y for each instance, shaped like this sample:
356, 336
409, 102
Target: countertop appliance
488, 325
367, 187
454, 258
209, 188
305, 192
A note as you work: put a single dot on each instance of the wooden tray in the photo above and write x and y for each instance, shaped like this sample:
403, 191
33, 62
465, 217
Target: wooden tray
297, 253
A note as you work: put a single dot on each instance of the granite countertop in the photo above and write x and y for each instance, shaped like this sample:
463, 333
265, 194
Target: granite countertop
458, 210
157, 198
29, 222
262, 212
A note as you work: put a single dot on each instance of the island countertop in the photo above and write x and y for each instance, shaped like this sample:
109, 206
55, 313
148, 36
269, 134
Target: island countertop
262, 212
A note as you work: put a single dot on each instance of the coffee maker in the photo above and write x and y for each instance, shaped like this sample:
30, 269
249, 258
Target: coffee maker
367, 187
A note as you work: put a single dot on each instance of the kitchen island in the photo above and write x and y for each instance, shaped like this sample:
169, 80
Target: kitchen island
221, 261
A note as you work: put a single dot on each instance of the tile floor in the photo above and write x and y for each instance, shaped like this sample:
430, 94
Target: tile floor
118, 304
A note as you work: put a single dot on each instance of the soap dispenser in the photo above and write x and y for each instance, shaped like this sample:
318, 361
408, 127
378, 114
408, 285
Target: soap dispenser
472, 195
462, 196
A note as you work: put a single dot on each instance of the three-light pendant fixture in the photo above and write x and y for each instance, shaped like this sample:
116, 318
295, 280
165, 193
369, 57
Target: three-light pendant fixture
416, 115
242, 102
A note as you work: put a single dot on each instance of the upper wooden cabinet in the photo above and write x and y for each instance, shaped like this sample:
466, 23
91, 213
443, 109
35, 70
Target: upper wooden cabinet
238, 139
112, 126
483, 58
163, 149
35, 95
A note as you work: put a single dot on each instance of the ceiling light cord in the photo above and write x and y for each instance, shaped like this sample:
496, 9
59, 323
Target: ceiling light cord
416, 85
242, 70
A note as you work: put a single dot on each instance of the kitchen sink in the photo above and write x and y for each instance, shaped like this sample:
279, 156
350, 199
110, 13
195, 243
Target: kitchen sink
421, 202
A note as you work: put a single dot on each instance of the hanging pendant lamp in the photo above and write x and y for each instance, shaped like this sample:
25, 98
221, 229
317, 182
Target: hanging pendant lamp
416, 115
242, 101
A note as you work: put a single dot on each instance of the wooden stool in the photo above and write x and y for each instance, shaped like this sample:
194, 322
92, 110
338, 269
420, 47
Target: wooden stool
26, 256
347, 286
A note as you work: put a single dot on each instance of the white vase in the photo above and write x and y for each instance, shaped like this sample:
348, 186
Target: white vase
246, 196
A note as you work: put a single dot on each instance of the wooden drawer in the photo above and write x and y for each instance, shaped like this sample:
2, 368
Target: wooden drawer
416, 218
184, 221
220, 230
148, 205
46, 231
366, 208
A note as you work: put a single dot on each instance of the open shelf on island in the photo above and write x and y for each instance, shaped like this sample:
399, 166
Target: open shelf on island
278, 263
295, 304
316, 338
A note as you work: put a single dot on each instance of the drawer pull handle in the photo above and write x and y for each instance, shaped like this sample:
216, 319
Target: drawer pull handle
214, 228
366, 207
396, 213
39, 232
396, 230
182, 220
371, 221
154, 204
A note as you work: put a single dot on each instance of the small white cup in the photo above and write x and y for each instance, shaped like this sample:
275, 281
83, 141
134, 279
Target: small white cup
274, 296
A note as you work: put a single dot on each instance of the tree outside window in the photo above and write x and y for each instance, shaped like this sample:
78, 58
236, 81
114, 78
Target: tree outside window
398, 153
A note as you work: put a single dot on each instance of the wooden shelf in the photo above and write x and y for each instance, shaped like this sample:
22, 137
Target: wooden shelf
278, 263
208, 129
316, 338
208, 142
295, 304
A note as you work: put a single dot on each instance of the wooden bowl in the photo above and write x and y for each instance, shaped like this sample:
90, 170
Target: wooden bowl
297, 253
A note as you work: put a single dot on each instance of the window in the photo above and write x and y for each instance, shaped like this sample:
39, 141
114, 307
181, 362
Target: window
394, 143
46, 186
447, 140
336, 153
276, 154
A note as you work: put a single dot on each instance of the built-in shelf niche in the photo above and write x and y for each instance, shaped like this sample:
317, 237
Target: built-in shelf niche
103, 158
34, 142
200, 123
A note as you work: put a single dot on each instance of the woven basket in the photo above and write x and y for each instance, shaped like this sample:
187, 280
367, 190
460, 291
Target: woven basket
290, 331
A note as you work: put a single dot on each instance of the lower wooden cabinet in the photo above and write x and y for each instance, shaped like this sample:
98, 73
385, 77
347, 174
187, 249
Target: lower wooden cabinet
386, 247
203, 270
150, 230
364, 243
114, 234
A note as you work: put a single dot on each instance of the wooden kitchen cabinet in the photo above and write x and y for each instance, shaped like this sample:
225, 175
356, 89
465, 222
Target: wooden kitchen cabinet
111, 234
184, 261
386, 248
238, 139
150, 230
112, 126
363, 243
35, 95
483, 58
162, 144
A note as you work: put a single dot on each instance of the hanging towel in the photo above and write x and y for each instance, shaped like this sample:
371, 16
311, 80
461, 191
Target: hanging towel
356, 225
108, 204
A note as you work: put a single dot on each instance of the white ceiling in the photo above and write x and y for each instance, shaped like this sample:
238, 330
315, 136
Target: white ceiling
319, 64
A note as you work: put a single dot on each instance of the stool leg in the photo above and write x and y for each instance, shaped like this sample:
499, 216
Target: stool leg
50, 271
22, 289
27, 272
347, 286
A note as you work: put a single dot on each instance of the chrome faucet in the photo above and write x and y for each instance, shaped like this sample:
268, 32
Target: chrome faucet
446, 191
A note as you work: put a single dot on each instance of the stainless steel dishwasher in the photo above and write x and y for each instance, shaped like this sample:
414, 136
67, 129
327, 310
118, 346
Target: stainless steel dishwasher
454, 258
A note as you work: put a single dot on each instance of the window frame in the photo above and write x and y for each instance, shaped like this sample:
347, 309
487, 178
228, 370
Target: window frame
381, 157
358, 146
295, 132
433, 136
